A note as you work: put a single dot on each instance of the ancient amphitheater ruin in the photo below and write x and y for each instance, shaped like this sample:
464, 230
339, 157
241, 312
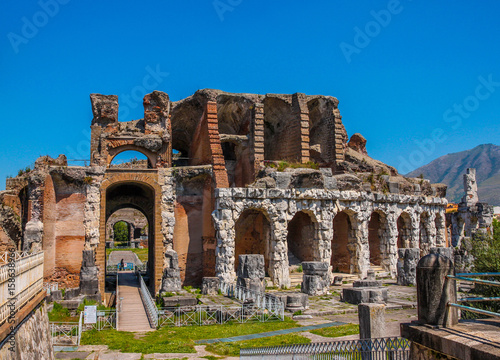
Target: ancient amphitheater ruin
226, 174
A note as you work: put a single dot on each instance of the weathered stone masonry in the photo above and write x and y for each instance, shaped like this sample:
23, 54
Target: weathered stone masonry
280, 205
226, 175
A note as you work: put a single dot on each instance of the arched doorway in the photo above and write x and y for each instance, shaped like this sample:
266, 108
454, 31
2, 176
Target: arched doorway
253, 235
343, 244
141, 192
302, 239
404, 230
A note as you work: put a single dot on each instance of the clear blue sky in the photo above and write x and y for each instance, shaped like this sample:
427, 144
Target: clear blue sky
397, 77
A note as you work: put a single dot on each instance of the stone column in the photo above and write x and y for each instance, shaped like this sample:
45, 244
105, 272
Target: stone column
171, 279
392, 244
435, 290
415, 230
89, 282
315, 280
251, 272
407, 266
362, 245
371, 321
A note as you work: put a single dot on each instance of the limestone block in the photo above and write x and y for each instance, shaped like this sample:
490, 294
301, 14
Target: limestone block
179, 301
315, 268
407, 266
171, 279
251, 266
435, 291
71, 293
371, 321
364, 295
296, 302
210, 286
314, 285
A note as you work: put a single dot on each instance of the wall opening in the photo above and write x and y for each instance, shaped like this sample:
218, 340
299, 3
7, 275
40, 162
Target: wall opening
132, 203
127, 233
302, 239
130, 159
404, 231
253, 234
378, 240
342, 237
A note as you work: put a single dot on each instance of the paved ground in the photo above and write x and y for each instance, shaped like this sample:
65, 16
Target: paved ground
115, 257
324, 309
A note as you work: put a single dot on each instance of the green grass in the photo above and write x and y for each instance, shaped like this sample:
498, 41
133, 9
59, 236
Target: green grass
233, 348
336, 331
142, 254
61, 314
177, 339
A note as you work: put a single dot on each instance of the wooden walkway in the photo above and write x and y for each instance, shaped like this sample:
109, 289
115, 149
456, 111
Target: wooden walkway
133, 316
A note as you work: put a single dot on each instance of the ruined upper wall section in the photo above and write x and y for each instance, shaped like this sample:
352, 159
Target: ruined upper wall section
150, 136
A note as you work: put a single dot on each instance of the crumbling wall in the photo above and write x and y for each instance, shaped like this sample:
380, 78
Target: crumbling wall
281, 205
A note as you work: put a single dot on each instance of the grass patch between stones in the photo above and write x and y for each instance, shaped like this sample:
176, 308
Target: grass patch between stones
336, 331
233, 348
180, 339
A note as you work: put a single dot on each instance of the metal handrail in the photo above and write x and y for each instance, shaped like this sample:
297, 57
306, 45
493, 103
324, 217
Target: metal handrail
148, 301
382, 348
262, 300
118, 302
466, 277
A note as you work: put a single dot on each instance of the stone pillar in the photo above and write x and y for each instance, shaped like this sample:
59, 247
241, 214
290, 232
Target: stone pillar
89, 281
251, 272
315, 279
392, 244
362, 246
407, 266
171, 280
470, 187
435, 290
371, 321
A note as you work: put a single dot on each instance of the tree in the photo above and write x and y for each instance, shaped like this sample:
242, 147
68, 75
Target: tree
486, 250
121, 232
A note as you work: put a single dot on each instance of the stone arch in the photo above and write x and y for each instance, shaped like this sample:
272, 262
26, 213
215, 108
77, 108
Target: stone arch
378, 239
404, 230
344, 244
303, 238
253, 235
114, 151
140, 191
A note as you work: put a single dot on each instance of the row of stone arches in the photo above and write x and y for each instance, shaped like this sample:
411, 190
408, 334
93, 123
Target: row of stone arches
254, 235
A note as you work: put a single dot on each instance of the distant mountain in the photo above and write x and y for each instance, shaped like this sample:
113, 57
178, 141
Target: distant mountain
449, 170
